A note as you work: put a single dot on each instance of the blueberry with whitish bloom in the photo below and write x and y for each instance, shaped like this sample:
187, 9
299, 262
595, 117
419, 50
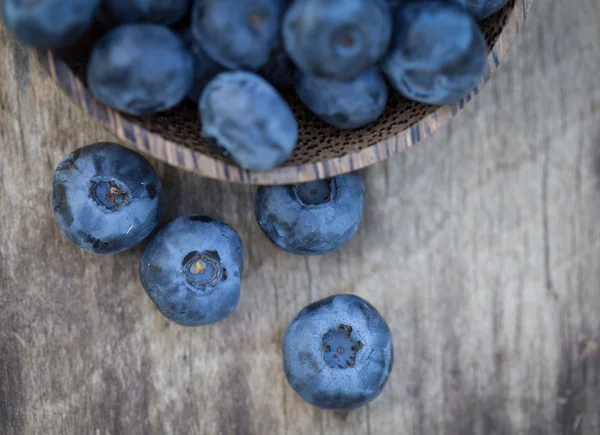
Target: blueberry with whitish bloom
123, 71
191, 270
337, 39
246, 117
311, 218
338, 353
346, 104
438, 53
48, 23
106, 198
238, 34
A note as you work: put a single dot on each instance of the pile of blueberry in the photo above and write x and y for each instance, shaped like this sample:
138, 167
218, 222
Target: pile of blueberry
232, 58
337, 352
229, 56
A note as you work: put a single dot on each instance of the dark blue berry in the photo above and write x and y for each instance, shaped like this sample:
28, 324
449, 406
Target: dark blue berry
191, 270
238, 34
205, 68
438, 52
280, 71
140, 69
338, 353
48, 23
311, 218
155, 11
247, 118
106, 198
345, 104
481, 9
337, 39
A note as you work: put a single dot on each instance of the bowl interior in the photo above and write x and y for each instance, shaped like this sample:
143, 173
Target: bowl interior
317, 141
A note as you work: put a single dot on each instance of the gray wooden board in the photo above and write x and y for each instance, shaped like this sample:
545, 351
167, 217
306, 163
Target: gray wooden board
481, 247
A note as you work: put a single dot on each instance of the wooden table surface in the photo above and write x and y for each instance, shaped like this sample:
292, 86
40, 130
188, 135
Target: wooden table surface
481, 247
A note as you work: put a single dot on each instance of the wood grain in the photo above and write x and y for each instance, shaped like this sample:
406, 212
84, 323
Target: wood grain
481, 248
322, 151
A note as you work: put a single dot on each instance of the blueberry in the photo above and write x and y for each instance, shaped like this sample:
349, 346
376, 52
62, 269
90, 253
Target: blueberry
48, 23
155, 11
246, 117
205, 68
238, 34
191, 270
481, 9
280, 71
311, 218
345, 104
438, 53
106, 198
140, 69
337, 39
338, 353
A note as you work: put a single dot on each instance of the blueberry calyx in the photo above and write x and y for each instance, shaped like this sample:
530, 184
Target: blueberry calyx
108, 195
315, 193
340, 348
256, 20
201, 271
348, 41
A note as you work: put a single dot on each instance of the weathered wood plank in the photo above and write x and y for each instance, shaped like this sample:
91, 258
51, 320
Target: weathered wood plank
481, 247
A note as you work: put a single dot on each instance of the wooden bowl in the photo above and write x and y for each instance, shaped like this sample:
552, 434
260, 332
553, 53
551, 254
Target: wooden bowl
322, 151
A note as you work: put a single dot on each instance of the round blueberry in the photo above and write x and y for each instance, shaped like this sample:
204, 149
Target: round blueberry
481, 9
106, 198
238, 34
246, 117
311, 218
205, 68
338, 353
155, 11
438, 52
191, 270
345, 104
48, 23
337, 39
140, 69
